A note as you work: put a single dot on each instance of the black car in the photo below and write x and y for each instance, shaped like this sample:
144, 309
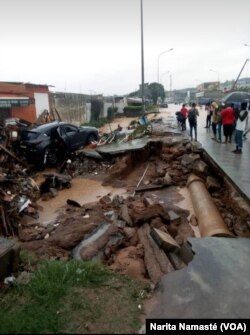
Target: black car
49, 143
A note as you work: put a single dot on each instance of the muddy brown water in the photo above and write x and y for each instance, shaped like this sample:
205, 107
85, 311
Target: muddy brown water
82, 191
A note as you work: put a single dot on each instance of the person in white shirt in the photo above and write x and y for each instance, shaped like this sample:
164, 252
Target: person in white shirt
240, 127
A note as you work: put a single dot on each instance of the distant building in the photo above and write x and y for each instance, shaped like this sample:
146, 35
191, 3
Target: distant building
241, 83
23, 100
208, 86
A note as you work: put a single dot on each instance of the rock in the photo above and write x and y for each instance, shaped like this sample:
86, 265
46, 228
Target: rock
156, 222
174, 218
241, 229
106, 200
212, 184
140, 216
148, 201
200, 168
188, 159
193, 220
186, 253
53, 191
124, 215
173, 230
117, 200
164, 240
129, 232
167, 180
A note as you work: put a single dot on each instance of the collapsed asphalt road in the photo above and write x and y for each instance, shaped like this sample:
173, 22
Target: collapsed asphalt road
124, 231
144, 229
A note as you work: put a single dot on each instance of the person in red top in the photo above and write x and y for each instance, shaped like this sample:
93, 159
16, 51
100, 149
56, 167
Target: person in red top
228, 119
184, 112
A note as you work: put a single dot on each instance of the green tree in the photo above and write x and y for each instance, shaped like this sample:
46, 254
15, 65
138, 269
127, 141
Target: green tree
156, 90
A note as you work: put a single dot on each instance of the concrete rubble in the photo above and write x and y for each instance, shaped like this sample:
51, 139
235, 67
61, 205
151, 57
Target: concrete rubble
141, 234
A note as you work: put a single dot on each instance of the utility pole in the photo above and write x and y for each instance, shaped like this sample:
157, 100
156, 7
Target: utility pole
142, 63
234, 84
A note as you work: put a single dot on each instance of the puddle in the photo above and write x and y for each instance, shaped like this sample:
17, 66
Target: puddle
82, 191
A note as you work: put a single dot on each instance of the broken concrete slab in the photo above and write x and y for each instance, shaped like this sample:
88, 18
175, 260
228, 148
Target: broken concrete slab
90, 153
153, 268
164, 240
116, 148
124, 215
174, 218
204, 288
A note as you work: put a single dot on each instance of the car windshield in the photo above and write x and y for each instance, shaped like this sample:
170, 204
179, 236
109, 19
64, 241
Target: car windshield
29, 135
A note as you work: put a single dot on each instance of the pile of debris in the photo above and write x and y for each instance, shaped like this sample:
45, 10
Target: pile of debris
125, 234
19, 192
140, 234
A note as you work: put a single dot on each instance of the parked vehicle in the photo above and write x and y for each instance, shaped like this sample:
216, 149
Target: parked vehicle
49, 143
164, 105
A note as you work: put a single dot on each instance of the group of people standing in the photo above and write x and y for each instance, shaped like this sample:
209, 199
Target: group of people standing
218, 117
230, 119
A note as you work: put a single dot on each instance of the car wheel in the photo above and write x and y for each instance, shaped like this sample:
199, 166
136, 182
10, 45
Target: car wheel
91, 138
50, 157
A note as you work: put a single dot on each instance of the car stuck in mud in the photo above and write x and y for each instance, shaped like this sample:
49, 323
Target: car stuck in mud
49, 143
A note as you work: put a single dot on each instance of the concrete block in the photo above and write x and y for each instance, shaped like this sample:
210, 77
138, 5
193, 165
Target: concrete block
164, 240
174, 218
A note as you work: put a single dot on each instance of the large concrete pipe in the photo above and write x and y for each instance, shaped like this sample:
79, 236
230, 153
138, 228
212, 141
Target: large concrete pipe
209, 219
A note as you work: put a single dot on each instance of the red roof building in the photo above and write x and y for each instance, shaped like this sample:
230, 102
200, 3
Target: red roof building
23, 100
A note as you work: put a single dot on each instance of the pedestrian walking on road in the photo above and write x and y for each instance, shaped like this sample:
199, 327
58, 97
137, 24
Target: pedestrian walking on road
214, 108
184, 112
219, 124
228, 119
209, 113
240, 127
192, 118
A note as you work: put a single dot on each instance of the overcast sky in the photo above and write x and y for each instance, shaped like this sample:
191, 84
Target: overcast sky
94, 46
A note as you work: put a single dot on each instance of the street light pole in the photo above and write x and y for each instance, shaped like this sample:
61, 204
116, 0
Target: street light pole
158, 62
142, 62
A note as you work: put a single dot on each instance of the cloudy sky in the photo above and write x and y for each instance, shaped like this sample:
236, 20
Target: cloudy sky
94, 46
